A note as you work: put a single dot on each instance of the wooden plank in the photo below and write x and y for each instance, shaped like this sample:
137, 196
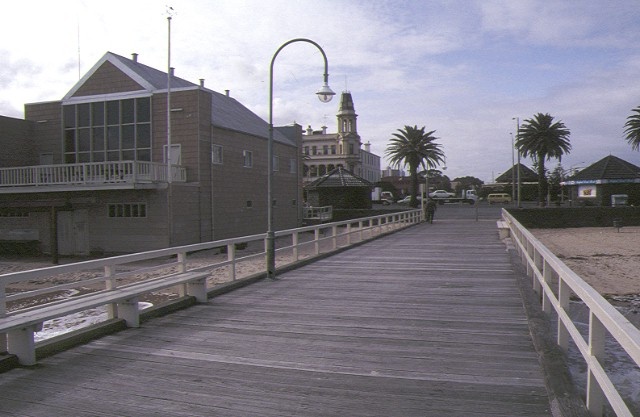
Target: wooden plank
427, 321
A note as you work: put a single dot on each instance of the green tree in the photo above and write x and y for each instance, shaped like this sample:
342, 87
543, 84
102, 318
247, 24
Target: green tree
543, 139
414, 148
632, 129
467, 183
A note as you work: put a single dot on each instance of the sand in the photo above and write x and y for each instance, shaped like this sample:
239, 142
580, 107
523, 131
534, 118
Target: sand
607, 259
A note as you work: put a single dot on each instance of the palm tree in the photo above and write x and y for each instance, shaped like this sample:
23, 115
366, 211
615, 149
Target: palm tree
633, 129
414, 148
543, 139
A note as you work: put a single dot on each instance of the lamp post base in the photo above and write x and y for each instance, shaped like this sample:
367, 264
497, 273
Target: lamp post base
270, 244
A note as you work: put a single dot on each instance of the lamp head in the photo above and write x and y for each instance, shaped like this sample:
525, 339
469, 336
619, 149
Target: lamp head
325, 93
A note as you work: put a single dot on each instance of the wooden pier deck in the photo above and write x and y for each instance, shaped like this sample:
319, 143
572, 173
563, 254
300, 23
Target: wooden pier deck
424, 322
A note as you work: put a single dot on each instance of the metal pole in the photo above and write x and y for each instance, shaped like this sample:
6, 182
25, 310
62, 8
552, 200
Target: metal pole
270, 248
169, 176
513, 171
518, 150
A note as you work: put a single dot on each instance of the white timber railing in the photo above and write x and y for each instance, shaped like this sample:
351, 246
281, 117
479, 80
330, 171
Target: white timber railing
94, 173
556, 284
118, 281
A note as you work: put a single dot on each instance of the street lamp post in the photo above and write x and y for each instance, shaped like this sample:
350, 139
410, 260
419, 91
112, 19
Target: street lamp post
325, 94
517, 119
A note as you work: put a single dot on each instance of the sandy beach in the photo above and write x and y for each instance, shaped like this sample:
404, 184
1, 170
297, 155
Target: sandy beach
606, 259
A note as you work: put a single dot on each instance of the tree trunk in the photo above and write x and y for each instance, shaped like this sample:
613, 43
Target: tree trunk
542, 182
413, 172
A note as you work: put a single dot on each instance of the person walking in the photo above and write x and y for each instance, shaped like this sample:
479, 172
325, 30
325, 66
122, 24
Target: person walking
430, 210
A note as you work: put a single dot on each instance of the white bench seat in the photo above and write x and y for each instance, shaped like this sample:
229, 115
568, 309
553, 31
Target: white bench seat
503, 229
21, 325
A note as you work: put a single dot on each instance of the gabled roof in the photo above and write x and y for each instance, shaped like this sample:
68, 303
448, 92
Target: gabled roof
608, 168
337, 178
227, 112
149, 79
526, 174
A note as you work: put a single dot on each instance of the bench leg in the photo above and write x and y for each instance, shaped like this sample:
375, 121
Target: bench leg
20, 343
128, 310
198, 289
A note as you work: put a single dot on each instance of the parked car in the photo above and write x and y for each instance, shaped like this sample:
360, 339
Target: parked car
407, 200
498, 198
441, 194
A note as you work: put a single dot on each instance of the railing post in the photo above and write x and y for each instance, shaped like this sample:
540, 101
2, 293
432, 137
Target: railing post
595, 395
110, 284
316, 240
547, 274
3, 312
360, 226
334, 236
564, 298
294, 244
231, 256
349, 234
182, 267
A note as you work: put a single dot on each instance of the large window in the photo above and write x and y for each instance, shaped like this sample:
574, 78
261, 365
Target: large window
216, 154
248, 159
116, 130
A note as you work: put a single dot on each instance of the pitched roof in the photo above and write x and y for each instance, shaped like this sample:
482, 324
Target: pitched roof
337, 178
526, 174
227, 112
149, 79
608, 168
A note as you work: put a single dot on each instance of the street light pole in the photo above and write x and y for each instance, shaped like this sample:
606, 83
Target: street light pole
517, 119
513, 171
325, 94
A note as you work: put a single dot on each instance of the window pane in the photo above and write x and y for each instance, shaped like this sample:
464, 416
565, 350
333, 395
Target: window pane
113, 156
98, 157
127, 111
84, 157
144, 135
113, 138
113, 112
83, 114
69, 140
143, 154
98, 138
84, 140
69, 116
70, 158
128, 155
143, 110
97, 111
128, 141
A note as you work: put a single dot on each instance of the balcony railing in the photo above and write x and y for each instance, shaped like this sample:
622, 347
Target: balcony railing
91, 174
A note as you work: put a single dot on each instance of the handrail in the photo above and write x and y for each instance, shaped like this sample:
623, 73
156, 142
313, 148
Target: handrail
89, 173
550, 276
315, 240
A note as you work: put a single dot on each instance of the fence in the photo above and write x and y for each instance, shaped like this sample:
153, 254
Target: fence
94, 173
556, 284
119, 273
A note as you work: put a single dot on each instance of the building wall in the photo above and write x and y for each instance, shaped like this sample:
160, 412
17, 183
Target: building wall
240, 193
47, 129
17, 145
370, 166
216, 202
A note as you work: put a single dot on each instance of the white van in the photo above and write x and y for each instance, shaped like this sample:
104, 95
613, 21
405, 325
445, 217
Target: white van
499, 198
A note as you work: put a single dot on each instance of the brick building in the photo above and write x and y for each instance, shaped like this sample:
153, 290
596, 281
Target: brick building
88, 173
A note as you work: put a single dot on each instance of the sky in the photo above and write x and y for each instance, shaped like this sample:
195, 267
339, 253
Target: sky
467, 69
